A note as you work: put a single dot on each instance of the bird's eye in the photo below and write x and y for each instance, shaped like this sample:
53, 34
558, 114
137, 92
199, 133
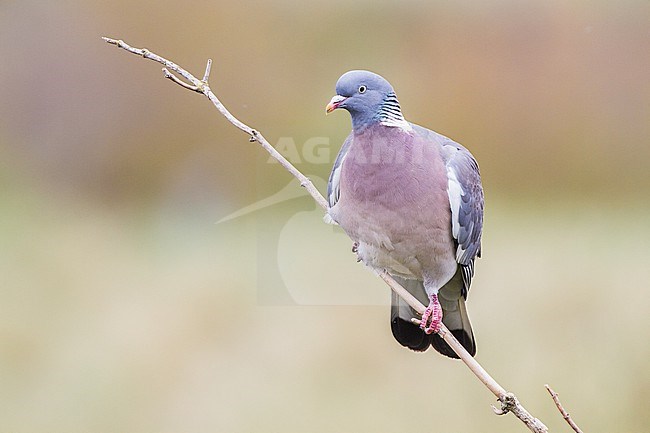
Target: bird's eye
362, 89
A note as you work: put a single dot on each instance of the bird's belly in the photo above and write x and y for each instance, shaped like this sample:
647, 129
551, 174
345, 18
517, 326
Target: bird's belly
400, 242
399, 263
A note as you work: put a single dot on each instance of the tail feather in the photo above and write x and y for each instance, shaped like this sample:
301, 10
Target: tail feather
405, 332
454, 317
457, 321
410, 335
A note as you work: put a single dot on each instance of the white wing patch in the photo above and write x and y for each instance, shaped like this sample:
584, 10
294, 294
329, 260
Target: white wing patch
455, 192
335, 183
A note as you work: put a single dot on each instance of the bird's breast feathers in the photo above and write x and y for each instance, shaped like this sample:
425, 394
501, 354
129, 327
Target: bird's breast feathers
394, 202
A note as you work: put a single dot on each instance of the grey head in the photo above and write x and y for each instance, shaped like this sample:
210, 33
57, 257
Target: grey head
369, 99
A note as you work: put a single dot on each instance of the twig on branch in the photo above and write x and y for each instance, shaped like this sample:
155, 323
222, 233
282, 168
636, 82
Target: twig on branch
206, 75
508, 400
180, 82
564, 413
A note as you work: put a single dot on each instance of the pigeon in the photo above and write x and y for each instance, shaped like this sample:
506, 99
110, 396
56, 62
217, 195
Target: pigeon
412, 202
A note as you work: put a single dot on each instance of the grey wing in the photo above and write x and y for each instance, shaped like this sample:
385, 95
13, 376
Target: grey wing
333, 186
466, 201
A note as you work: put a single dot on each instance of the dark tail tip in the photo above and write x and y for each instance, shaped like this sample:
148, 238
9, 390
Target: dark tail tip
463, 337
410, 335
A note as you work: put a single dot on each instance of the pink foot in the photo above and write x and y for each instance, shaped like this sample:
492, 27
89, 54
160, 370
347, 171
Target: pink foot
434, 313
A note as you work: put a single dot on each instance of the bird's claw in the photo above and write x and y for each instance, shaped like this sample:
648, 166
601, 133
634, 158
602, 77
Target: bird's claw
355, 250
432, 316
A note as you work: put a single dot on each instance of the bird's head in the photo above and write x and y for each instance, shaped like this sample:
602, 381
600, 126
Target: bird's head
362, 94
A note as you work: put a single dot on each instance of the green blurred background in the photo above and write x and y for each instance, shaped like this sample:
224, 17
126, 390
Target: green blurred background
125, 307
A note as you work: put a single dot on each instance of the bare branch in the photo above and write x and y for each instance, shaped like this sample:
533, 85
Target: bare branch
204, 88
509, 402
564, 413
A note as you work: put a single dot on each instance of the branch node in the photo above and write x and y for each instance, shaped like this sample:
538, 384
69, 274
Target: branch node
508, 403
145, 52
498, 411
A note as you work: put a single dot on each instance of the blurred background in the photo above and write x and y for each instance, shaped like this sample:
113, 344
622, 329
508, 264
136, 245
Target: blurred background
158, 274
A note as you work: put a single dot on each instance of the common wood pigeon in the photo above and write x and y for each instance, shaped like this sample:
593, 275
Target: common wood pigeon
412, 201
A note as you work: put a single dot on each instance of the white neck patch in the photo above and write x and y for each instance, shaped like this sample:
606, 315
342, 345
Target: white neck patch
390, 114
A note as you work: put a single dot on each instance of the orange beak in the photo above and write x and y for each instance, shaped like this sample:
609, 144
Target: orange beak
335, 103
